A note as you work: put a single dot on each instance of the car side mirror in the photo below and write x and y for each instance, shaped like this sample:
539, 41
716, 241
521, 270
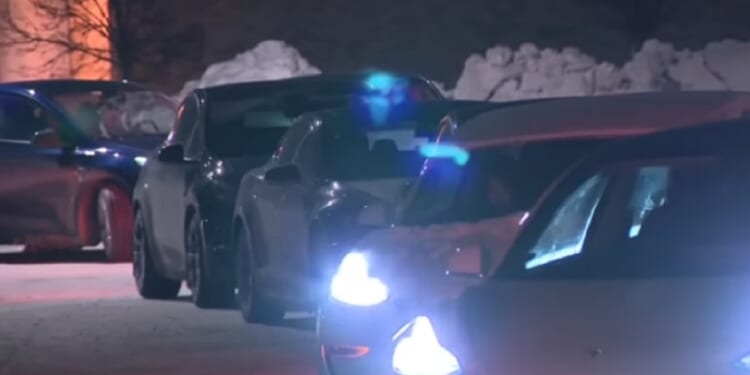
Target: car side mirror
285, 174
172, 154
373, 215
46, 138
468, 261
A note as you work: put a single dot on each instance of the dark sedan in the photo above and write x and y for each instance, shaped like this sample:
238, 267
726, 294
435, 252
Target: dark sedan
186, 194
70, 152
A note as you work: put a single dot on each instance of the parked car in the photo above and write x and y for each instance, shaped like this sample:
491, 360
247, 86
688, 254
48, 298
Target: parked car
185, 196
457, 288
70, 151
329, 166
335, 221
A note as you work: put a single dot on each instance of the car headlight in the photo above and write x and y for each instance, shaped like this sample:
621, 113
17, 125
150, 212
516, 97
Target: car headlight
140, 160
353, 285
418, 351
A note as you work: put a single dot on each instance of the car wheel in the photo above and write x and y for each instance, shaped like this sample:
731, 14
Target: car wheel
114, 214
150, 284
253, 307
207, 291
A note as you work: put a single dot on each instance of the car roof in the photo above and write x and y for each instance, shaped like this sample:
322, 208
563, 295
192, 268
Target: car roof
61, 86
600, 117
710, 139
312, 81
426, 114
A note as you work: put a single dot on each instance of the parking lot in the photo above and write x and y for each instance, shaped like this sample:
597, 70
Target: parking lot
75, 314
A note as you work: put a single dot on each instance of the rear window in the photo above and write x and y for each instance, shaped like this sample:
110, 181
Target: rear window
254, 126
253, 123
351, 152
658, 220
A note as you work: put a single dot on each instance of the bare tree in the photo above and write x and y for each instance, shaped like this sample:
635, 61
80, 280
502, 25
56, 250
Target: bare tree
116, 32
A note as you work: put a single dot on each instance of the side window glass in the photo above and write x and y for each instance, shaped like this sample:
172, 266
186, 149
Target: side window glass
308, 155
289, 143
565, 235
649, 194
186, 117
20, 118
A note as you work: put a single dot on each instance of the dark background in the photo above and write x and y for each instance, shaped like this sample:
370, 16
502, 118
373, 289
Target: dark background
433, 37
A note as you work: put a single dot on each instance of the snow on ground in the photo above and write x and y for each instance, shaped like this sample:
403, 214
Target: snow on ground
503, 74
269, 60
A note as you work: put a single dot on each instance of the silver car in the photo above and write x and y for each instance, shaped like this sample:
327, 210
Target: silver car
632, 261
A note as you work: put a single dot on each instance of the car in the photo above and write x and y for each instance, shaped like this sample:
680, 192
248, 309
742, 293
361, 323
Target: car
336, 219
71, 151
185, 196
329, 166
457, 289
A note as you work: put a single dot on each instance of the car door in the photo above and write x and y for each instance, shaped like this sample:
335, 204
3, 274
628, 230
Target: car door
169, 173
510, 314
638, 276
39, 182
284, 206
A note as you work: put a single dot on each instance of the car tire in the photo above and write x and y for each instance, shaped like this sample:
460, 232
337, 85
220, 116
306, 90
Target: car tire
252, 305
115, 219
148, 281
207, 290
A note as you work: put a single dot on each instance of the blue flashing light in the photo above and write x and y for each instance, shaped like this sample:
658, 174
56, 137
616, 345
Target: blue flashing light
382, 95
381, 82
744, 362
434, 150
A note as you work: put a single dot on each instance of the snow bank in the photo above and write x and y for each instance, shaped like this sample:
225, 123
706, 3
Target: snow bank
502, 74
269, 60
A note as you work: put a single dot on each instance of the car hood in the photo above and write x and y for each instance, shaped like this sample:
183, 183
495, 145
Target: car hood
414, 260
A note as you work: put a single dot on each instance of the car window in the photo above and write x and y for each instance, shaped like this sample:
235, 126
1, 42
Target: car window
684, 220
123, 113
564, 236
20, 118
494, 182
290, 141
668, 219
254, 126
354, 152
187, 116
649, 193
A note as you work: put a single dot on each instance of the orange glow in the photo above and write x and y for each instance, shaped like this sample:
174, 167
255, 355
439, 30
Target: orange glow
84, 66
347, 351
21, 62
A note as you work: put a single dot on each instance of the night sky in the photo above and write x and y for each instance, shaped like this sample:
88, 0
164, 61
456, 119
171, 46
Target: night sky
433, 37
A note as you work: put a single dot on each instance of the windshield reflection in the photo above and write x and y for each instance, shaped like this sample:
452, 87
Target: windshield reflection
125, 114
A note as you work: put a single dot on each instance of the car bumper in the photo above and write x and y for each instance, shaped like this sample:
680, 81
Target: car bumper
359, 340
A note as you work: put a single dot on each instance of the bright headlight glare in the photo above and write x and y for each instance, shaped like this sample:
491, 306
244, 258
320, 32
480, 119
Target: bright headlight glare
140, 160
418, 352
353, 285
744, 362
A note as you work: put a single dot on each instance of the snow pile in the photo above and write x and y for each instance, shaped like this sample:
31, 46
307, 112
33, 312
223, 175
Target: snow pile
503, 74
269, 60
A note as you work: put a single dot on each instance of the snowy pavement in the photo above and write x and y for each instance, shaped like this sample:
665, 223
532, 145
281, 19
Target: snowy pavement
76, 315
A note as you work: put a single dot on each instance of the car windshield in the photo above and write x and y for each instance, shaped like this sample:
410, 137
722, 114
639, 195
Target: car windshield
663, 220
494, 182
253, 123
119, 115
351, 152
